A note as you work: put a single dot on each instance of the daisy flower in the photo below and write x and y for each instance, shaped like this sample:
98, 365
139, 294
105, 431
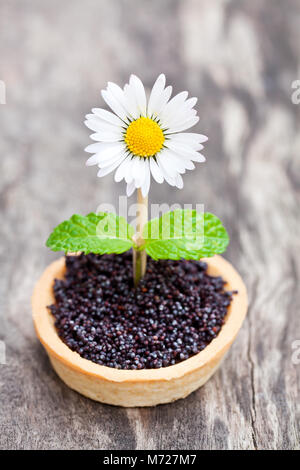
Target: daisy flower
141, 138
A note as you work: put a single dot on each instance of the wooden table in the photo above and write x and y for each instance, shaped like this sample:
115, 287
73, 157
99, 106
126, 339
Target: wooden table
240, 59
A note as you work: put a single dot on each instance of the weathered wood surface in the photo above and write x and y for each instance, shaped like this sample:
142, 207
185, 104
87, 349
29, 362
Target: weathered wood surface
240, 59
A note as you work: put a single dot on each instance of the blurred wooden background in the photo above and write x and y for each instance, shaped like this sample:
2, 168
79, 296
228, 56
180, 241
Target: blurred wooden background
240, 59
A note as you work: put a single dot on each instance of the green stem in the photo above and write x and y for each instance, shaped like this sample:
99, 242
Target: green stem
140, 256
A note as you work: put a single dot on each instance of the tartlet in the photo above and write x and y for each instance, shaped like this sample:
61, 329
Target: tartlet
131, 388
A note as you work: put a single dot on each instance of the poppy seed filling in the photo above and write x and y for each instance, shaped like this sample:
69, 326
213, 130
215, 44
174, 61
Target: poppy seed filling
174, 313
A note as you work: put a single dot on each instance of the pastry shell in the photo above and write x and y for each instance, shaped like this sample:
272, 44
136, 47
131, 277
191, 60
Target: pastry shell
131, 388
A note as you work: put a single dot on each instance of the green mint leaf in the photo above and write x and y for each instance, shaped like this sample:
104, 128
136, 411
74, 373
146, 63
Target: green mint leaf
216, 238
185, 234
94, 233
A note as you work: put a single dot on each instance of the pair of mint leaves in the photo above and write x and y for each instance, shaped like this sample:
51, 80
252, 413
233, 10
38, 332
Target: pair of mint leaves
175, 235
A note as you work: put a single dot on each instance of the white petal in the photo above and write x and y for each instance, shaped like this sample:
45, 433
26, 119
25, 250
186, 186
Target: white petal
130, 188
112, 150
166, 164
181, 144
108, 116
185, 151
96, 160
140, 172
91, 125
98, 125
199, 158
196, 157
193, 112
162, 102
131, 102
180, 164
156, 94
114, 104
179, 182
105, 171
95, 148
128, 175
146, 185
106, 154
189, 146
140, 95
136, 170
191, 102
180, 148
135, 167
164, 99
173, 161
119, 94
189, 123
198, 147
104, 163
189, 165
183, 112
172, 107
121, 171
107, 136
189, 137
180, 116
169, 179
93, 160
156, 172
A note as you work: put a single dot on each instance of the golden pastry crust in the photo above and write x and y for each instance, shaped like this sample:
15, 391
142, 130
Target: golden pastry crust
147, 387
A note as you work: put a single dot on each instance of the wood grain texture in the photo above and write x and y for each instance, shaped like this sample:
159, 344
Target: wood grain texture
240, 59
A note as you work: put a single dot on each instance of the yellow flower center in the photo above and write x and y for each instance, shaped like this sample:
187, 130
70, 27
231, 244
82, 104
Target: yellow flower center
144, 137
